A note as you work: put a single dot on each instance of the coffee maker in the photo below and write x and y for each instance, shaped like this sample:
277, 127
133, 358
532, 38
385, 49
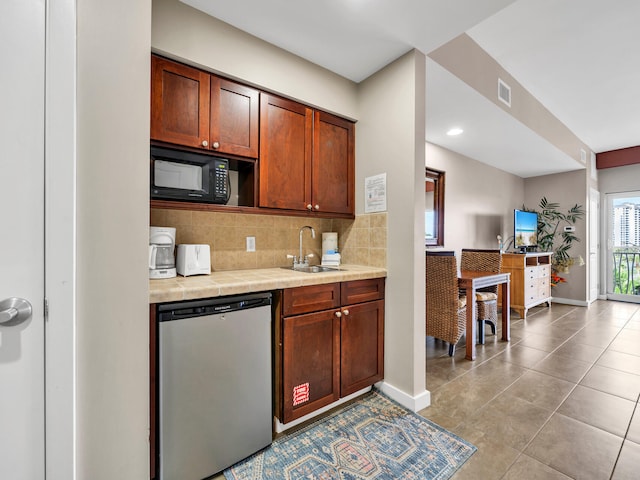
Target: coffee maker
162, 262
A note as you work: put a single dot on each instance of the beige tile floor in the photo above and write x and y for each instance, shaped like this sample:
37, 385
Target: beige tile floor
559, 401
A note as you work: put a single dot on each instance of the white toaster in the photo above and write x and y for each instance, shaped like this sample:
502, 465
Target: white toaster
193, 260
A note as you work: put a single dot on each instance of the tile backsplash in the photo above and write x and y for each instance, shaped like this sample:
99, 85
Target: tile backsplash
362, 241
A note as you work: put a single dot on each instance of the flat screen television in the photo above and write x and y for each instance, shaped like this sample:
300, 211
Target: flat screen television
525, 230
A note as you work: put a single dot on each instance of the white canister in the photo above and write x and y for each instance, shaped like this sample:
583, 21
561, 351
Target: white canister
329, 242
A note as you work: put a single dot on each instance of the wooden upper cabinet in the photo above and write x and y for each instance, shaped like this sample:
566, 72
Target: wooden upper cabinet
193, 108
179, 103
285, 153
333, 176
234, 118
306, 158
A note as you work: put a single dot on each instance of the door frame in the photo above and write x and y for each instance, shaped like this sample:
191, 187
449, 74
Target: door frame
607, 259
594, 246
60, 244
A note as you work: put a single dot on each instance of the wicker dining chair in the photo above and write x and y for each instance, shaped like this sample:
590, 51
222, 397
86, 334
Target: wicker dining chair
486, 298
445, 310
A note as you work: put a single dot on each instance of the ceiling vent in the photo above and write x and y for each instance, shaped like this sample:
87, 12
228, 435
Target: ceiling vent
504, 93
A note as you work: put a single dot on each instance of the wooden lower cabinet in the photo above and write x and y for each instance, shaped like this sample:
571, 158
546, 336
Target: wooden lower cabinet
362, 341
530, 279
311, 347
327, 354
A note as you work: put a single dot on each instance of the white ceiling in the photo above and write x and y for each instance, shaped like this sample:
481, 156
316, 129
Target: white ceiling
579, 58
490, 135
353, 38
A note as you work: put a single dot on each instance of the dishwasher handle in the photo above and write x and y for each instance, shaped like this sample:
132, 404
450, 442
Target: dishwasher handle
211, 306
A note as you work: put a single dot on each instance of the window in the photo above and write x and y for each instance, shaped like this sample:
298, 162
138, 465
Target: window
434, 208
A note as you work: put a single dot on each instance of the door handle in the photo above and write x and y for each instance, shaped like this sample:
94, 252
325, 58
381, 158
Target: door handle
14, 311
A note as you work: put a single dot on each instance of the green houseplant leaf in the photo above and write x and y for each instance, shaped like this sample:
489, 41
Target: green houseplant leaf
551, 234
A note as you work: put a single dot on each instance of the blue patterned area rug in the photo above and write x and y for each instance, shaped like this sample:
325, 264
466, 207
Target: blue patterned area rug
372, 438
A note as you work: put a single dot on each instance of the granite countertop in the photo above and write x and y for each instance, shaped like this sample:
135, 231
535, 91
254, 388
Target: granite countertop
234, 282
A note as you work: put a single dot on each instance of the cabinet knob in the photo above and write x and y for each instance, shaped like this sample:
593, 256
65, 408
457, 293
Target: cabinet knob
317, 207
216, 145
338, 314
309, 207
345, 311
205, 143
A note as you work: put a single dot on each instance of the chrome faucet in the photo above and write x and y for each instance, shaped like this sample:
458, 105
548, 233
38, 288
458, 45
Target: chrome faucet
302, 261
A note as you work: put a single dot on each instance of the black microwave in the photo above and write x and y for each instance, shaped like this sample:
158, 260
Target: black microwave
190, 177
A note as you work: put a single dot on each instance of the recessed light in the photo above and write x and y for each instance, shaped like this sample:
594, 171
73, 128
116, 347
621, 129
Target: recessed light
455, 131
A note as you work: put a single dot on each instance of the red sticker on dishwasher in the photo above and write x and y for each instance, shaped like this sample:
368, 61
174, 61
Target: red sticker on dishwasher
300, 394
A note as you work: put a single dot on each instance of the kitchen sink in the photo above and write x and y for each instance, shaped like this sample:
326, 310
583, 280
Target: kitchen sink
313, 269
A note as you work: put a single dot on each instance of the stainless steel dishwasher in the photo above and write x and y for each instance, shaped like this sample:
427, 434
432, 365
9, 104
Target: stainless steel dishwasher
215, 383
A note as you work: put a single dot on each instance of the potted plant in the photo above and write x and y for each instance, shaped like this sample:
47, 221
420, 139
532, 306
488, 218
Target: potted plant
553, 238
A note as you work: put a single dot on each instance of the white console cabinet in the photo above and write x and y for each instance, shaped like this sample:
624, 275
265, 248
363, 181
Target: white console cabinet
530, 279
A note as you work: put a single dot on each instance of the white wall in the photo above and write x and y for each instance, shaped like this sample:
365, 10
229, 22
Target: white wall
566, 189
479, 200
390, 139
112, 239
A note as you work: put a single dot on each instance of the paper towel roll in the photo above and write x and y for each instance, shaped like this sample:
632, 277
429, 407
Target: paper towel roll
329, 242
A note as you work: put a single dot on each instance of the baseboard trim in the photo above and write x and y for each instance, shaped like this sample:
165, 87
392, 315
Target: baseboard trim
415, 404
570, 301
281, 427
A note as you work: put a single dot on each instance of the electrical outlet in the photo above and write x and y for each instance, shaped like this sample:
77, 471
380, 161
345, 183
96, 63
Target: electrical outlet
251, 244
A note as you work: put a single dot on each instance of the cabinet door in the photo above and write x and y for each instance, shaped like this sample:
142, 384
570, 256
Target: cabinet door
285, 153
179, 104
362, 347
311, 369
234, 118
333, 177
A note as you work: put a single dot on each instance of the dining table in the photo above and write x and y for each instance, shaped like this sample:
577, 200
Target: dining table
471, 281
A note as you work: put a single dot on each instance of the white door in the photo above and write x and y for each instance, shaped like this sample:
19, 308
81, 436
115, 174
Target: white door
22, 28
594, 215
